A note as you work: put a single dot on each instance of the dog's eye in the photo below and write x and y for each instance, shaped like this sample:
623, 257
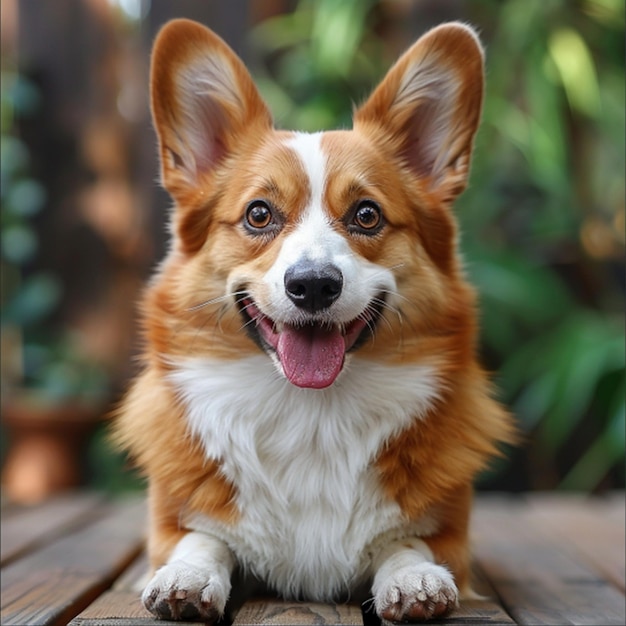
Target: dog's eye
368, 217
259, 215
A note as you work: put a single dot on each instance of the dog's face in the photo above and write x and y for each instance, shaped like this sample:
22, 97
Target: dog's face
312, 247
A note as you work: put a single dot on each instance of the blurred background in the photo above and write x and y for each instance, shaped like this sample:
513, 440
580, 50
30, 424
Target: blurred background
84, 221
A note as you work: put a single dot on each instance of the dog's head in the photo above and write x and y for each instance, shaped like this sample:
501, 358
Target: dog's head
309, 244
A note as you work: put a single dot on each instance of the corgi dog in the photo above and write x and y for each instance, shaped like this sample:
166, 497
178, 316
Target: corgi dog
311, 413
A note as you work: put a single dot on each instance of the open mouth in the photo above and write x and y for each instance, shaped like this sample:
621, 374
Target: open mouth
311, 355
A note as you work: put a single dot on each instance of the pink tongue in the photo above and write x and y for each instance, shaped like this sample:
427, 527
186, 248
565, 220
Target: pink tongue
311, 356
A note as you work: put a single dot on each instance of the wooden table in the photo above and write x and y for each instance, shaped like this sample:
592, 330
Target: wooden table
541, 559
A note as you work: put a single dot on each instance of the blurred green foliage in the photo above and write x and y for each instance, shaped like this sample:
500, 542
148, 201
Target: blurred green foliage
36, 356
543, 231
22, 198
316, 61
542, 222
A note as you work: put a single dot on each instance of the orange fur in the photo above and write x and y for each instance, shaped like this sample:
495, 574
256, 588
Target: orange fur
428, 468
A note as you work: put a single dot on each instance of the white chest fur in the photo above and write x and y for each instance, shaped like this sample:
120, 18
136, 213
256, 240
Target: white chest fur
300, 460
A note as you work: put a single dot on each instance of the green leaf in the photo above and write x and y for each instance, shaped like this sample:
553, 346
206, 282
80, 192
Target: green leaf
576, 70
601, 456
19, 244
36, 299
26, 197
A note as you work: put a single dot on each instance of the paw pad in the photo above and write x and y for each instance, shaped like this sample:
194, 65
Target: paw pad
416, 592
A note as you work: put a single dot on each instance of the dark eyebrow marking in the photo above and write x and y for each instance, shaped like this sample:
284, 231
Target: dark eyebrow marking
358, 190
269, 186
354, 189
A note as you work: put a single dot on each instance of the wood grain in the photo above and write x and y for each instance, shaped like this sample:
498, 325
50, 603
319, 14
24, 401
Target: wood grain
135, 576
594, 526
28, 527
52, 585
271, 611
538, 576
119, 607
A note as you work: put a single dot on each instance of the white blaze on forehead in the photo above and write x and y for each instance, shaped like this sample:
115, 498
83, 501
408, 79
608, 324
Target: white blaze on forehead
308, 147
314, 237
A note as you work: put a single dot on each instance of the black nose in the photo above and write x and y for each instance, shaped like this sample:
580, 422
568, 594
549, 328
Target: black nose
313, 287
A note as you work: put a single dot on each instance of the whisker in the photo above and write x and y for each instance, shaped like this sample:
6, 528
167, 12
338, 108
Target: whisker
215, 300
383, 303
384, 320
214, 316
246, 324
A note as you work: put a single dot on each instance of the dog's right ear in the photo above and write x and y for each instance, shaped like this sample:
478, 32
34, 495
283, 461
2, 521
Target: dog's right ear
427, 108
203, 99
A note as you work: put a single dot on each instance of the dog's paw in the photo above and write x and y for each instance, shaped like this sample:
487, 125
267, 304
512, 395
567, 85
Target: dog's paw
416, 592
180, 591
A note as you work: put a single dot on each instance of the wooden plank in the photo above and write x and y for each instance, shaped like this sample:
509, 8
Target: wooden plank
486, 610
279, 612
120, 608
595, 527
53, 584
537, 576
616, 505
135, 576
28, 527
478, 612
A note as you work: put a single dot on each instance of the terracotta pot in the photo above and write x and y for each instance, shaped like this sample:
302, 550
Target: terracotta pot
47, 441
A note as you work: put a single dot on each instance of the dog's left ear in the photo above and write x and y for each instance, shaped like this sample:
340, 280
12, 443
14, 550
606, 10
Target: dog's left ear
203, 103
427, 108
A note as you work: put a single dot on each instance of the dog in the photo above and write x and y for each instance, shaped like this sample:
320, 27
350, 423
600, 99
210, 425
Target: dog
311, 413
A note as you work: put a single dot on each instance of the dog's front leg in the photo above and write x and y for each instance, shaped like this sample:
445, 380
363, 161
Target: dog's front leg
408, 585
194, 583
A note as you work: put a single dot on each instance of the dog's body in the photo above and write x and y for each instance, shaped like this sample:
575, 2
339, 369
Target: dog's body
311, 411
